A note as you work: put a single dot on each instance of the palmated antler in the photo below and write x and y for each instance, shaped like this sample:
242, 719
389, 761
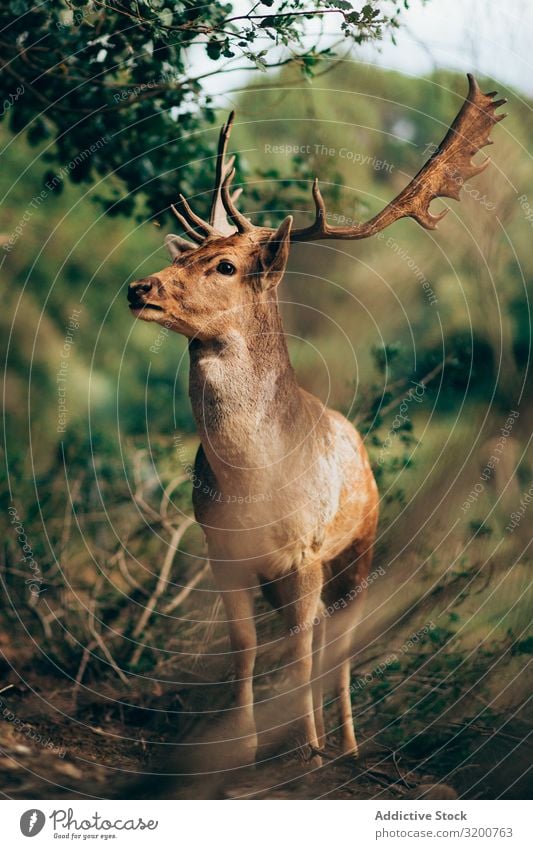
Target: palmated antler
443, 175
222, 202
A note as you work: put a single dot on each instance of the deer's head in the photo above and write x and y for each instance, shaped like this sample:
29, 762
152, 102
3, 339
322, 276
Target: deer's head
231, 268
217, 287
224, 274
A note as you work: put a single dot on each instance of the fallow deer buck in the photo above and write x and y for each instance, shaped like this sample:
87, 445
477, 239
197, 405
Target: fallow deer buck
283, 490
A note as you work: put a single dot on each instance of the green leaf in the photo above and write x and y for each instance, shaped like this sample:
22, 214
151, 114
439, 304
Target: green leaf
214, 49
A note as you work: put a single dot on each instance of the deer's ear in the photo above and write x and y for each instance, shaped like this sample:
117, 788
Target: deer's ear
275, 253
176, 246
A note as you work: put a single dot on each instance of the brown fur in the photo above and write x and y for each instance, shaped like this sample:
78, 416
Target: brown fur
283, 488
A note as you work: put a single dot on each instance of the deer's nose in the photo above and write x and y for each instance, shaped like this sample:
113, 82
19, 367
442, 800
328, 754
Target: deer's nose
141, 287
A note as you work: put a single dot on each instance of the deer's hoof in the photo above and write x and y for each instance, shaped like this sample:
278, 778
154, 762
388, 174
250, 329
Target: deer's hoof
309, 754
351, 754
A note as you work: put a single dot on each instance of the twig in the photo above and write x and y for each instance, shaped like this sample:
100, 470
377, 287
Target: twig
99, 640
322, 752
35, 607
375, 775
491, 732
111, 659
169, 489
81, 671
431, 375
187, 590
160, 586
400, 776
69, 510
125, 572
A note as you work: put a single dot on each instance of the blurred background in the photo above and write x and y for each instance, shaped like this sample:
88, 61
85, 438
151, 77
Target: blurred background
110, 632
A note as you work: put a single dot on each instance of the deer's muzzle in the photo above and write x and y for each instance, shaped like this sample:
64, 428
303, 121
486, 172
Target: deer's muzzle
139, 292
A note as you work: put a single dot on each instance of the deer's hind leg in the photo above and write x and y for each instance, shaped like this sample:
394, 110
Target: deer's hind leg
345, 580
319, 643
349, 746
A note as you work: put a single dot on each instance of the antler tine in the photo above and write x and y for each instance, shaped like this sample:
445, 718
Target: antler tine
195, 219
222, 202
319, 228
443, 175
186, 226
224, 167
242, 223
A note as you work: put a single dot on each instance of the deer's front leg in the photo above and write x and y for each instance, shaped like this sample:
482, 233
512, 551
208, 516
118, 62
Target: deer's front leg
300, 591
238, 604
319, 644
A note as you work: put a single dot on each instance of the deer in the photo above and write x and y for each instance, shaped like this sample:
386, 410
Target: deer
283, 486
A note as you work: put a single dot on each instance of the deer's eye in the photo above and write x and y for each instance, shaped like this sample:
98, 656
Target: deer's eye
226, 268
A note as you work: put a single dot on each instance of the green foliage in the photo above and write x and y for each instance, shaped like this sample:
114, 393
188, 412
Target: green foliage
479, 528
108, 87
523, 646
422, 689
93, 508
387, 419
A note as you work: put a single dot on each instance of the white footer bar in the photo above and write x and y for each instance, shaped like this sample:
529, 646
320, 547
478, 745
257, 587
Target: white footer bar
267, 824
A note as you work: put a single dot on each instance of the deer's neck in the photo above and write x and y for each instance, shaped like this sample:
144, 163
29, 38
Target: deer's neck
244, 396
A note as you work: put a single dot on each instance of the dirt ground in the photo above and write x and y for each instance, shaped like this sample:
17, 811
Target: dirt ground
159, 741
47, 754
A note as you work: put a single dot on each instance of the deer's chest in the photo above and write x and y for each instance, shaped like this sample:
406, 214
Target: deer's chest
273, 521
